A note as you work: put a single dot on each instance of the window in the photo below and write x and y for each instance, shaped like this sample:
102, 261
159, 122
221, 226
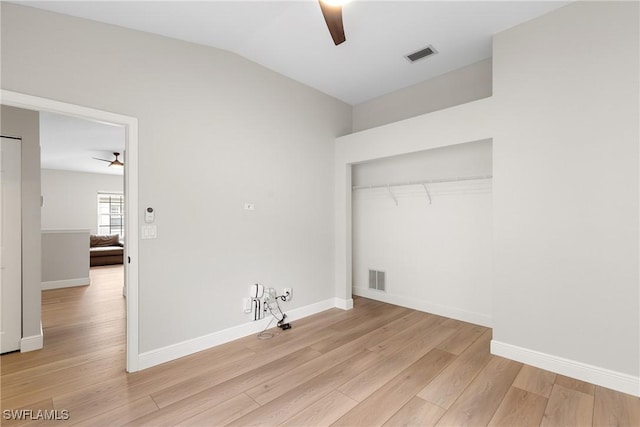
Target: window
110, 214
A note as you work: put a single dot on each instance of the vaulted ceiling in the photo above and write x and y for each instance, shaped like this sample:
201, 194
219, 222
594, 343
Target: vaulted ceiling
291, 37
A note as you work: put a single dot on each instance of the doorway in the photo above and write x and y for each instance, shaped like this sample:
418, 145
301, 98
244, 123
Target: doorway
130, 124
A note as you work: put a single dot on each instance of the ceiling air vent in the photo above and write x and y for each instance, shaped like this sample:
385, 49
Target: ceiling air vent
422, 53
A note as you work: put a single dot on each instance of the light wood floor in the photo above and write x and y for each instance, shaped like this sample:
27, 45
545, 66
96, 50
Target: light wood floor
377, 364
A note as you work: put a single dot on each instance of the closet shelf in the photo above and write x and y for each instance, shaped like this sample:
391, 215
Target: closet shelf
423, 182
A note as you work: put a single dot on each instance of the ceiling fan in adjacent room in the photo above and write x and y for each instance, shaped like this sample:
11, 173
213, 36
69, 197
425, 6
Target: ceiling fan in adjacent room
332, 12
112, 163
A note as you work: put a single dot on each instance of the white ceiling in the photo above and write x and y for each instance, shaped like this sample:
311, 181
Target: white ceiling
69, 143
291, 38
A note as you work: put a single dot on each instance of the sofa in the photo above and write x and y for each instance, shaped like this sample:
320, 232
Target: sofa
105, 250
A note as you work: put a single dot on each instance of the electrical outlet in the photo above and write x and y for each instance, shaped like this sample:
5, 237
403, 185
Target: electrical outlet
288, 294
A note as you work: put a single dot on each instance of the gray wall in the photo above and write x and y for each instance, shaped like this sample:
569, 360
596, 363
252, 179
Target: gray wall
456, 87
65, 258
566, 185
26, 124
215, 131
71, 198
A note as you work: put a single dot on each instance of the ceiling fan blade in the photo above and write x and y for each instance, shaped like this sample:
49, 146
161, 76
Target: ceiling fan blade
115, 162
333, 18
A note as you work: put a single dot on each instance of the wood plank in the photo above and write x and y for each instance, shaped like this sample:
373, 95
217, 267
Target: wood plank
270, 390
262, 371
109, 395
35, 370
355, 329
520, 408
477, 404
304, 332
307, 393
367, 382
455, 378
120, 415
613, 408
575, 384
71, 378
568, 407
380, 406
193, 403
535, 380
417, 412
389, 330
408, 331
223, 413
467, 334
179, 411
323, 412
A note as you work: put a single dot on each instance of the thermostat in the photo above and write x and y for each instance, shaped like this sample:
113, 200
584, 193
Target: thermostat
149, 215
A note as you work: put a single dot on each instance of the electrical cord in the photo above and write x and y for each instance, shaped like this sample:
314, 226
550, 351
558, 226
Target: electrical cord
273, 298
266, 335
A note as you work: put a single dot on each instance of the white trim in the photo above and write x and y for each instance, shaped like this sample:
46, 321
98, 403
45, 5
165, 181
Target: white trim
34, 342
624, 383
426, 306
130, 124
131, 245
65, 231
67, 283
184, 348
344, 304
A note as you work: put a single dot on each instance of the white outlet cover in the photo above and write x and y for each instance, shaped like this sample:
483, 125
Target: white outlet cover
246, 305
149, 232
249, 206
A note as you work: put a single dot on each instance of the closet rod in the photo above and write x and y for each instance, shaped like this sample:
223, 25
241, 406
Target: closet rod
429, 181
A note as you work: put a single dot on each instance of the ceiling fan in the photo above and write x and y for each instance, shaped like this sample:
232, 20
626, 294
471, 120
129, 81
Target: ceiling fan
332, 12
115, 162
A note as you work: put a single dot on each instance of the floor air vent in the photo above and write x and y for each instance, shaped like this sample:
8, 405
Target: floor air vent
377, 280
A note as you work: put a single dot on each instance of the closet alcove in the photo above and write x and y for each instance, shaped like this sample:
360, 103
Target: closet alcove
424, 220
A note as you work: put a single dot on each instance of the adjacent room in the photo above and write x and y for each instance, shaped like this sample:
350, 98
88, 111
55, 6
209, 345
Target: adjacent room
82, 198
320, 213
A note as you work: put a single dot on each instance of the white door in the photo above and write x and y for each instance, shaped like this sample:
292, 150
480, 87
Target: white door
10, 245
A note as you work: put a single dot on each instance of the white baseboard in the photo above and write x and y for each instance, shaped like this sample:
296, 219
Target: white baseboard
34, 342
593, 374
426, 306
184, 348
67, 283
344, 304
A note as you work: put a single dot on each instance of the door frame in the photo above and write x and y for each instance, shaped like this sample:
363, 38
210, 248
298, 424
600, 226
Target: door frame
131, 264
12, 290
